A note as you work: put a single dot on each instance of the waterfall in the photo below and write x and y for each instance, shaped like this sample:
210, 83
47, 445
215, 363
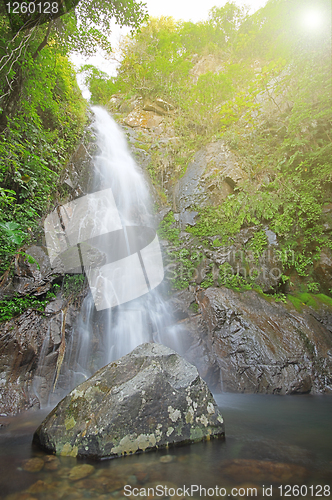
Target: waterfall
117, 243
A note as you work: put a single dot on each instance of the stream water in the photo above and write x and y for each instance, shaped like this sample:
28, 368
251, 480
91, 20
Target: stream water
270, 440
139, 313
114, 227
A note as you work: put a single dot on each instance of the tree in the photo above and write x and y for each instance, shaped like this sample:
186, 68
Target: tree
82, 30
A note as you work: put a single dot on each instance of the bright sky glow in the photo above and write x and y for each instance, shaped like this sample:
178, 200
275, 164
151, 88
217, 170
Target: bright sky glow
312, 19
194, 10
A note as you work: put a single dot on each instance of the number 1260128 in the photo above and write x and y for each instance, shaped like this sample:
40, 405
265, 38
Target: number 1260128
295, 490
32, 7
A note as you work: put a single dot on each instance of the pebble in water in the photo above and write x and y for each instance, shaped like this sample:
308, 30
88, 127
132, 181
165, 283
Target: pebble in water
51, 462
80, 471
166, 459
33, 464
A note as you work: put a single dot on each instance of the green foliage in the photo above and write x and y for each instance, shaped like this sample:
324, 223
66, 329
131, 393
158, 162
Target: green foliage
35, 145
193, 307
17, 305
280, 297
101, 86
229, 279
72, 285
222, 221
258, 243
300, 299
324, 299
93, 23
12, 231
296, 302
166, 229
185, 265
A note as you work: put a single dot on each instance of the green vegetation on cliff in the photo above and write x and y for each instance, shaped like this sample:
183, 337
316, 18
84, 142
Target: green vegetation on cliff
262, 83
42, 112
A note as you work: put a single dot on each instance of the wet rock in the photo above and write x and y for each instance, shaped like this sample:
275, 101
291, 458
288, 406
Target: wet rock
260, 346
33, 464
29, 277
166, 459
142, 477
20, 344
80, 471
21, 496
147, 399
51, 462
39, 487
180, 304
322, 272
198, 352
26, 376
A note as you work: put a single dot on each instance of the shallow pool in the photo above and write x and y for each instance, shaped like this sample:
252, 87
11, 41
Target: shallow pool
275, 446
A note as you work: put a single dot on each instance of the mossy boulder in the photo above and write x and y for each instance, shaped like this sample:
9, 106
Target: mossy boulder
148, 399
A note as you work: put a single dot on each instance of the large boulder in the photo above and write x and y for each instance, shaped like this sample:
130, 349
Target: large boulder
148, 399
263, 346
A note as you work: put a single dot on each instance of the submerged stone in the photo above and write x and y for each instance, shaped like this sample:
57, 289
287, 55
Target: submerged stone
33, 464
148, 399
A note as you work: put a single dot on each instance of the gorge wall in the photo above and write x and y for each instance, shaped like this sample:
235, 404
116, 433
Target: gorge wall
235, 321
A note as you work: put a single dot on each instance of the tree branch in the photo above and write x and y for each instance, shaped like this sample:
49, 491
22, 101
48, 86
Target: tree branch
44, 41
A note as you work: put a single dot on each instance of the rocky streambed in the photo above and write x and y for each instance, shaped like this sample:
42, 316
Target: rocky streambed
271, 440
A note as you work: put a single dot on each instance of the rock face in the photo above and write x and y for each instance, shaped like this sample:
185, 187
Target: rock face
30, 346
262, 346
148, 399
144, 119
209, 178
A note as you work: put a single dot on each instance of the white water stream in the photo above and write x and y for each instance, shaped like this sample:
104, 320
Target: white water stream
102, 337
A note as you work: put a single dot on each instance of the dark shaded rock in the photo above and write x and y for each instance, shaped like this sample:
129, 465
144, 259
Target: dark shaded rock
322, 272
20, 345
148, 399
29, 277
198, 354
263, 346
181, 304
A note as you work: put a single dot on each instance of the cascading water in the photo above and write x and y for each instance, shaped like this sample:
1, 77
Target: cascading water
132, 322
